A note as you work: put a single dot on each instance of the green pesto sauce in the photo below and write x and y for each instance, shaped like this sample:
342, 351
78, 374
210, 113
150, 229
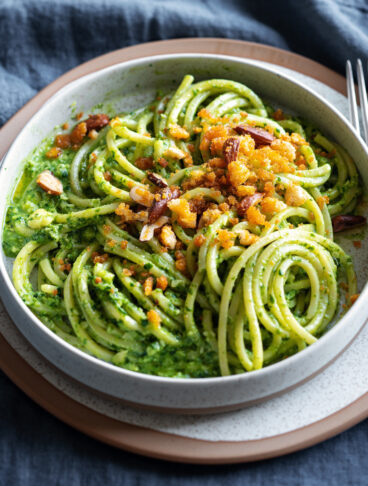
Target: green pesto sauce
142, 351
28, 197
146, 354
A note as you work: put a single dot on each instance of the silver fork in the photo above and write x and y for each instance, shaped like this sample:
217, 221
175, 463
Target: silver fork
353, 105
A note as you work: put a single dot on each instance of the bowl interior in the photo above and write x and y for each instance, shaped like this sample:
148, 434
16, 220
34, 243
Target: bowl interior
125, 87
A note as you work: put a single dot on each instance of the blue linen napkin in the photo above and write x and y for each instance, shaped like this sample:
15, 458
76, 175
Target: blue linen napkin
39, 41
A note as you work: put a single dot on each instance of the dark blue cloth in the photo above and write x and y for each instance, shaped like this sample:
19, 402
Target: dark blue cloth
40, 40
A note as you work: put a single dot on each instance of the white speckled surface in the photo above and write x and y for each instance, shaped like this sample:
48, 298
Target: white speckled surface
335, 388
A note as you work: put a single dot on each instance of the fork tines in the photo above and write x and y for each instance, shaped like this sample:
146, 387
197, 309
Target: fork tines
353, 106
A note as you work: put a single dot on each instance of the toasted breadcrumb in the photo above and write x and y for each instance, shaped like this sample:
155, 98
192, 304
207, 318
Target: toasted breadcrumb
147, 286
322, 201
178, 132
63, 141
278, 115
217, 163
78, 133
144, 163
284, 148
163, 162
353, 298
188, 160
162, 283
93, 134
125, 213
256, 217
180, 261
224, 207
191, 147
127, 272
243, 191
107, 176
97, 258
297, 139
271, 205
93, 157
226, 238
238, 173
295, 195
269, 189
154, 318
246, 238
53, 153
209, 216
185, 217
199, 240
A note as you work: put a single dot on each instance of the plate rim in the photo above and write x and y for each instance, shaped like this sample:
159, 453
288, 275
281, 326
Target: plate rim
106, 429
172, 447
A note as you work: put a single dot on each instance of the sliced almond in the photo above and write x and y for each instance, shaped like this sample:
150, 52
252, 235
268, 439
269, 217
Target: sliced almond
49, 183
149, 229
231, 149
344, 222
141, 196
175, 153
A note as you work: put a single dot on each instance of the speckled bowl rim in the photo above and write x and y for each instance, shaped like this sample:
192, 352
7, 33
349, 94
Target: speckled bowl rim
193, 382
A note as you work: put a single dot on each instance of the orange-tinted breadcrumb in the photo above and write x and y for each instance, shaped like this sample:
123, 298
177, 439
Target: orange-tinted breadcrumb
180, 262
78, 133
238, 173
353, 298
162, 283
322, 201
271, 205
148, 286
209, 217
53, 153
295, 195
199, 240
98, 258
154, 318
254, 216
247, 238
181, 209
226, 238
178, 132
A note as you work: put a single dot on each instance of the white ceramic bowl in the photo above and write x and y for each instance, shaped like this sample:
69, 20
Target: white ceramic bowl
126, 86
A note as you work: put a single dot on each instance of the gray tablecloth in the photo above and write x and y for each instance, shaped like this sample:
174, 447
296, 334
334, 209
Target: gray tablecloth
40, 40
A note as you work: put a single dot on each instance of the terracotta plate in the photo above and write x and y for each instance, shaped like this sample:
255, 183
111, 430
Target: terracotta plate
130, 437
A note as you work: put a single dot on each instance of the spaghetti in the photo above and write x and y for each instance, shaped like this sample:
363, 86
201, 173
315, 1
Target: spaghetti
189, 238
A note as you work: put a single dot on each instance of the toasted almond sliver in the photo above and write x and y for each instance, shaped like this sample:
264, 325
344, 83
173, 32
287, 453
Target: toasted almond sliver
175, 153
49, 183
141, 196
148, 229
